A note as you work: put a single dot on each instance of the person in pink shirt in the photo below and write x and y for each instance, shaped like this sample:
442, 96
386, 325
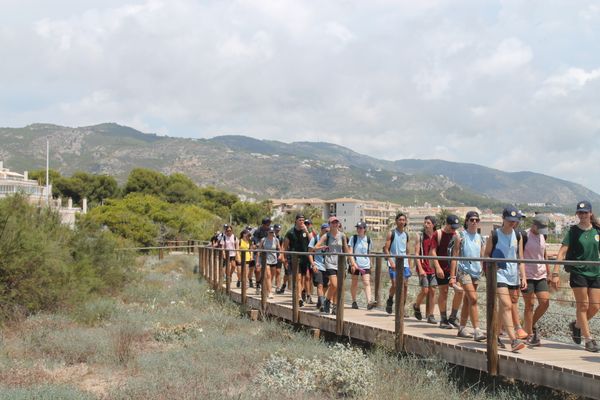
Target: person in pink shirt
538, 276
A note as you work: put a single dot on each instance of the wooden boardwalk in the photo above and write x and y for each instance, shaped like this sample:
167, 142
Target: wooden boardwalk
556, 365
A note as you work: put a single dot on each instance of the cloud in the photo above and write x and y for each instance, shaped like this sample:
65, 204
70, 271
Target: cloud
510, 84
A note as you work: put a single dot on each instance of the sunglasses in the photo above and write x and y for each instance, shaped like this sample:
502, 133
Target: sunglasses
473, 219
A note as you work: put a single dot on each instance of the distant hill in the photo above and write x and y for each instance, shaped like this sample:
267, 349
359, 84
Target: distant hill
265, 168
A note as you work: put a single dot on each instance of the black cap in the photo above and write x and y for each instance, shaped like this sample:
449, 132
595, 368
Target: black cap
510, 213
307, 222
584, 206
453, 221
271, 230
277, 226
472, 214
266, 221
361, 224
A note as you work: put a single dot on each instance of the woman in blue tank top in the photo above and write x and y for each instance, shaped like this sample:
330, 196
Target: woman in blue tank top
503, 243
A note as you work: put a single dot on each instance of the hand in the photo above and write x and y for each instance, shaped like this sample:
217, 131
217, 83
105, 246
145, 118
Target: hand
314, 268
439, 273
523, 284
353, 268
554, 282
452, 281
392, 264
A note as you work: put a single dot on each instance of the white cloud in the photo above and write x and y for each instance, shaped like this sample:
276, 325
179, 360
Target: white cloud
562, 84
510, 55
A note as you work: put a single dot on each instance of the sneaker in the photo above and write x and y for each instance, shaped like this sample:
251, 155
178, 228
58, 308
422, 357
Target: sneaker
257, 285
333, 309
280, 291
533, 340
300, 303
270, 295
238, 284
251, 284
591, 345
388, 305
319, 303
462, 332
431, 320
521, 334
500, 344
257, 291
355, 305
417, 311
327, 306
479, 336
575, 332
371, 305
516, 345
444, 324
303, 295
453, 323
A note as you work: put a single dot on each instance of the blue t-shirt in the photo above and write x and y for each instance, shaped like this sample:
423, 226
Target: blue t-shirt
317, 256
508, 245
398, 248
470, 247
362, 247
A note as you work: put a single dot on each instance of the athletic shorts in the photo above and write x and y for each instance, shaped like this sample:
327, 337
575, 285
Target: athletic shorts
272, 265
506, 285
331, 272
426, 281
359, 271
580, 281
392, 273
465, 278
536, 286
445, 280
278, 265
303, 267
251, 263
320, 278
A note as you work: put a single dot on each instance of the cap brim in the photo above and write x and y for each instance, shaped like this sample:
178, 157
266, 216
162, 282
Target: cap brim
512, 219
455, 226
543, 231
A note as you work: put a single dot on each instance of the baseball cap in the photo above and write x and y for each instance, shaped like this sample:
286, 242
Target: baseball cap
584, 205
471, 214
453, 221
541, 221
266, 221
299, 216
307, 222
510, 213
361, 224
271, 229
277, 227
324, 226
332, 219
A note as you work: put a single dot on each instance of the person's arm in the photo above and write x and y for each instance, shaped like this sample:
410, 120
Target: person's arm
351, 256
453, 263
418, 265
321, 242
284, 248
439, 272
386, 250
522, 265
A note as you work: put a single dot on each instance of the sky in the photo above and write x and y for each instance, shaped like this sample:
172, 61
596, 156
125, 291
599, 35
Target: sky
513, 85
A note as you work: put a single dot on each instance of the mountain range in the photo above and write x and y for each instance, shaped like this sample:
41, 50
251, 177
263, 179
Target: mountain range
272, 169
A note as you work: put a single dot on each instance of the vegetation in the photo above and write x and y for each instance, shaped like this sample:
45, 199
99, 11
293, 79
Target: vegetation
45, 265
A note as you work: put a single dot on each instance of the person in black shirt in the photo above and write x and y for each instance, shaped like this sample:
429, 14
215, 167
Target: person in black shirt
297, 239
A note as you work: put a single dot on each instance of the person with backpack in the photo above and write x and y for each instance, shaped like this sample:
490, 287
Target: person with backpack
534, 248
278, 275
510, 276
269, 243
244, 255
319, 277
259, 234
427, 278
360, 243
230, 245
333, 241
469, 243
297, 239
442, 239
581, 243
396, 245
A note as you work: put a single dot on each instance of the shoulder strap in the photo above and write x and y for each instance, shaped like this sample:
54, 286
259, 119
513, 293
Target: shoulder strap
354, 239
392, 237
368, 244
438, 233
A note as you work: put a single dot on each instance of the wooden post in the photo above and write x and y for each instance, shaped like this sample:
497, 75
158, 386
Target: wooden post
215, 270
339, 315
244, 280
295, 295
161, 254
378, 262
188, 247
263, 287
491, 319
399, 311
221, 255
209, 256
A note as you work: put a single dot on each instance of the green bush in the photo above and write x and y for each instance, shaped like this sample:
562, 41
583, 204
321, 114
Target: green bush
45, 265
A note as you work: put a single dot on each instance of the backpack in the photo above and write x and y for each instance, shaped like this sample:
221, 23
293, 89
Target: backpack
355, 238
573, 243
452, 243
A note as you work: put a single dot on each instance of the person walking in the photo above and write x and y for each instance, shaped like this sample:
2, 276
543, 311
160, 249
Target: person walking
335, 242
442, 238
244, 255
510, 276
467, 274
269, 243
396, 245
538, 275
297, 239
230, 245
426, 273
319, 277
581, 243
360, 243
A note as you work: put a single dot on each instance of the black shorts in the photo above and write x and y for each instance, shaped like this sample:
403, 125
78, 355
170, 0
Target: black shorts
320, 278
506, 285
536, 286
272, 265
251, 263
331, 272
581, 281
359, 271
278, 265
303, 267
445, 280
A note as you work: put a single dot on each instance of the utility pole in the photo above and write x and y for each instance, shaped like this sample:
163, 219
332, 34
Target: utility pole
47, 170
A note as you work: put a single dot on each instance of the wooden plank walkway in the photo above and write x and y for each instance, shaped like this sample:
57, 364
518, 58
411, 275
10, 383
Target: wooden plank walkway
556, 365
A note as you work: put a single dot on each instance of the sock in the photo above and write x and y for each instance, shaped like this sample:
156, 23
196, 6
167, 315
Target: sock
588, 339
453, 314
444, 315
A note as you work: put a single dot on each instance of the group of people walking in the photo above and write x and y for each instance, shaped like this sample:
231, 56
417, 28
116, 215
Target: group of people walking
318, 268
